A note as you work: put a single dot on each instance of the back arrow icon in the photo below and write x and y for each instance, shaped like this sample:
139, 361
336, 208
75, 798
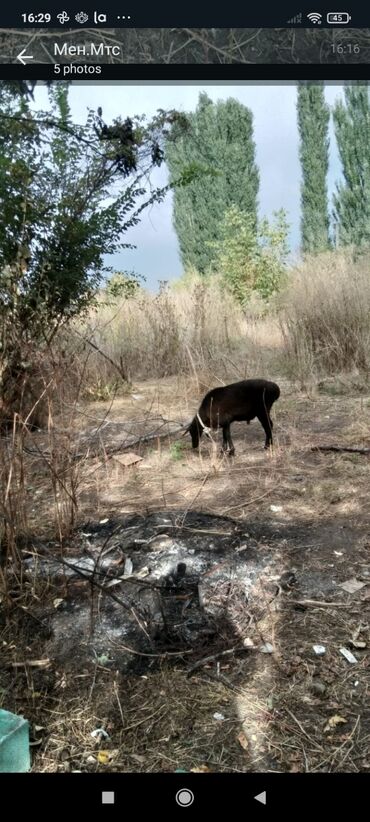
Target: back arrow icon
22, 57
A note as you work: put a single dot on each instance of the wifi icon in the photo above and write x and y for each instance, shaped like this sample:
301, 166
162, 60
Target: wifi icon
314, 17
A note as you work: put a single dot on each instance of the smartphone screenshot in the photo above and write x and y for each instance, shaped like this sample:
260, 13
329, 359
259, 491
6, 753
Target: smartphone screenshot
185, 408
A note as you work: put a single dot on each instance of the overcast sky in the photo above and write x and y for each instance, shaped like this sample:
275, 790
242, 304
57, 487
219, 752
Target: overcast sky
276, 137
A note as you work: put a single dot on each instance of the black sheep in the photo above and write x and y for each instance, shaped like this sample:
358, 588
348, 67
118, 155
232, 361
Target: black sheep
239, 402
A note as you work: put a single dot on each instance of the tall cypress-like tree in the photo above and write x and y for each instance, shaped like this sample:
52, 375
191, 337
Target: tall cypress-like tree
313, 122
352, 199
219, 140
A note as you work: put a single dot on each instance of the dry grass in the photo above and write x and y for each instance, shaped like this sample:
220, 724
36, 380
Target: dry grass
179, 331
308, 511
325, 318
274, 720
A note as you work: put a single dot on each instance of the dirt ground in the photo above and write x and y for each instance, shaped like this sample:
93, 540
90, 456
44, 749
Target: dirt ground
267, 538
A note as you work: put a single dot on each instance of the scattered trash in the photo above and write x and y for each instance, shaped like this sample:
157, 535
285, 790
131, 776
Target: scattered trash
113, 582
200, 769
276, 508
359, 630
180, 770
99, 733
58, 601
352, 585
219, 717
348, 655
319, 649
103, 521
128, 567
14, 743
357, 643
267, 648
104, 757
338, 553
138, 397
333, 722
248, 642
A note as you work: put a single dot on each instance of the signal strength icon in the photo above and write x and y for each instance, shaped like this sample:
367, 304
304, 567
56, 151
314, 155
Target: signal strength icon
295, 20
314, 17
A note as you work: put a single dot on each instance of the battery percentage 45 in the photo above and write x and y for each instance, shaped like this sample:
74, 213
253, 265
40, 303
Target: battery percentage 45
338, 18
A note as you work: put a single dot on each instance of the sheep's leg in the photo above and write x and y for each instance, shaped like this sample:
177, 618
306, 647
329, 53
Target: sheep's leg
227, 443
267, 425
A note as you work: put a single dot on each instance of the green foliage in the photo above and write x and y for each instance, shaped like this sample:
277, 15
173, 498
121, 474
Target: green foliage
177, 451
313, 123
352, 198
122, 285
219, 144
251, 260
69, 194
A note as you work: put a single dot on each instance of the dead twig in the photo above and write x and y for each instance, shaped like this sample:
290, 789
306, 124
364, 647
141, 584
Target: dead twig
321, 604
213, 657
340, 448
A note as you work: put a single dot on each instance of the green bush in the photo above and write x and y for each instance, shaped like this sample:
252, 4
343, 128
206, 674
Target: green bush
249, 260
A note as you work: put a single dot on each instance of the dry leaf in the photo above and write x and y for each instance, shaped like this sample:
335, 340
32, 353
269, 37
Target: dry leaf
359, 630
334, 721
138, 758
352, 585
243, 741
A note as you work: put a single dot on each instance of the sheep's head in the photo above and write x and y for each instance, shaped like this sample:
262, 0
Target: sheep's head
195, 432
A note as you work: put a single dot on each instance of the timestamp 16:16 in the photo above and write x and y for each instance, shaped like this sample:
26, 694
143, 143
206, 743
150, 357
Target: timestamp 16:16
345, 48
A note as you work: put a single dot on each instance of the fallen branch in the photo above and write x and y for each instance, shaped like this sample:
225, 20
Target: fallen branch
213, 657
340, 448
157, 434
321, 603
153, 435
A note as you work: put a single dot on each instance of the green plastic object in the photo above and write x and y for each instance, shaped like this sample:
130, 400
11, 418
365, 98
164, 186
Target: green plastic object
14, 743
